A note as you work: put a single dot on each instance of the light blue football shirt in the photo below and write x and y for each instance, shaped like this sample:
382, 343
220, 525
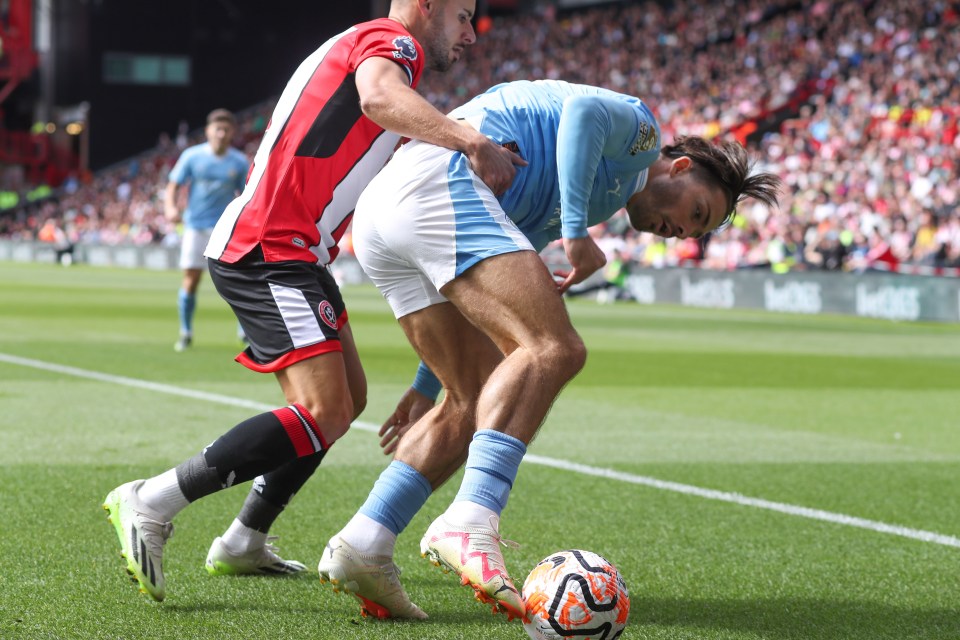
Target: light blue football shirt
587, 148
214, 182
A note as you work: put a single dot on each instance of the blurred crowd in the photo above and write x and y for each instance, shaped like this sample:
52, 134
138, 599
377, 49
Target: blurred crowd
855, 104
124, 203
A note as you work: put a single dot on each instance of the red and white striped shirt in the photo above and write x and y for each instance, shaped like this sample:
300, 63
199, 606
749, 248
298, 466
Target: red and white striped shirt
318, 153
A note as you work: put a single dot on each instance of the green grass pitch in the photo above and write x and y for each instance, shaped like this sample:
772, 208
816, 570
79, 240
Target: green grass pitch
831, 446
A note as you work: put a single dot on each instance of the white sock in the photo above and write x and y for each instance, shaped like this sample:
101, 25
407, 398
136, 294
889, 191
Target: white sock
239, 538
162, 495
466, 513
368, 536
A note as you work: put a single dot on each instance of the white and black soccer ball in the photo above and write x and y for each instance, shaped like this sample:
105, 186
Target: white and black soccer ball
575, 595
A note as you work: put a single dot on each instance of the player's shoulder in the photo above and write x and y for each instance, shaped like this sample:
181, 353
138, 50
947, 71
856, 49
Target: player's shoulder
192, 150
642, 111
381, 25
385, 38
188, 158
390, 35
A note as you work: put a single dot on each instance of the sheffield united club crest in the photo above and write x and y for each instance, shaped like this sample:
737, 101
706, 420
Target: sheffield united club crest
328, 315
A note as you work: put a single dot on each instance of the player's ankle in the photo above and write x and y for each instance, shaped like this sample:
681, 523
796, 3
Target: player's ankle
467, 513
368, 536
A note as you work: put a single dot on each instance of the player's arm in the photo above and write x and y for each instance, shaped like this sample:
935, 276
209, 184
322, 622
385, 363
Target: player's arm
170, 210
416, 401
591, 127
178, 177
387, 99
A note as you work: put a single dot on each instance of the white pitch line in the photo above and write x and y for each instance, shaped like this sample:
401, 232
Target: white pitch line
736, 498
564, 465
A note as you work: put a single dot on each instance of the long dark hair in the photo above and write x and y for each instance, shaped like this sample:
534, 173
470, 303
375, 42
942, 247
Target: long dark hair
727, 164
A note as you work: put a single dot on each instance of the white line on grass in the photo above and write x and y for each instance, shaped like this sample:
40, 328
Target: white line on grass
736, 498
564, 465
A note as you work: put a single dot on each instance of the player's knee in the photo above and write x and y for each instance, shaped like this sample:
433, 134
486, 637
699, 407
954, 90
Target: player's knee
343, 417
359, 404
459, 413
358, 395
333, 418
577, 355
462, 399
566, 357
453, 424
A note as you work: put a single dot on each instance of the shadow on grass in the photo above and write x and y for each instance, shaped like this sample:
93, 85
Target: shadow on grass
478, 614
798, 618
781, 618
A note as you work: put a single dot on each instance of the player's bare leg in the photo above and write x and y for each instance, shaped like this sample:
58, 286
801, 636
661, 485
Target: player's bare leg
319, 413
513, 299
462, 357
359, 559
525, 317
246, 547
186, 306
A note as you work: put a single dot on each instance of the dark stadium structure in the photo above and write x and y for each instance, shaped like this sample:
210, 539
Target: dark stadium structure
853, 104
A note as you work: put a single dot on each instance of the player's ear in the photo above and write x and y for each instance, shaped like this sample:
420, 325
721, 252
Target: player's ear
680, 165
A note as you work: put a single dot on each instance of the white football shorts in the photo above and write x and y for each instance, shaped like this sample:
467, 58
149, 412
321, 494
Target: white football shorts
424, 220
192, 246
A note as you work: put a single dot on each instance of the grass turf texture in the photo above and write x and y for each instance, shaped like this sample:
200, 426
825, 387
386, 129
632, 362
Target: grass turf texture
847, 415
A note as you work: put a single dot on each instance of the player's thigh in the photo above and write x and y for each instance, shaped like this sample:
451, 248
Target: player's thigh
513, 299
463, 358
320, 384
459, 354
356, 378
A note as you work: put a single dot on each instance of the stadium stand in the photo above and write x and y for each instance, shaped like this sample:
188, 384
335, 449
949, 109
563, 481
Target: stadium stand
854, 104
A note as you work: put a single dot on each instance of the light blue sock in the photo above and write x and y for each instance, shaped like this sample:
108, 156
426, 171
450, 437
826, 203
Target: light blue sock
186, 305
492, 466
396, 497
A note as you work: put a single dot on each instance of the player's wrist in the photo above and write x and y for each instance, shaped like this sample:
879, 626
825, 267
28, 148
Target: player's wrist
573, 233
426, 383
474, 142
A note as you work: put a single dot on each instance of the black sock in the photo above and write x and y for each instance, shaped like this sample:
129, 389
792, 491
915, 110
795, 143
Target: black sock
254, 447
272, 492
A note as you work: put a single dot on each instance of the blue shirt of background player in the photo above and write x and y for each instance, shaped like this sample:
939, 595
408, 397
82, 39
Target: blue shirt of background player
587, 148
214, 182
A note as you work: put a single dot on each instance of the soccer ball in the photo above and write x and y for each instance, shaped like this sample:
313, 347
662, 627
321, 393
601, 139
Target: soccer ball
575, 594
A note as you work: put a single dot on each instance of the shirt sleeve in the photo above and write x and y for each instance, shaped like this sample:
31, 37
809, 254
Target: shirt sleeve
592, 127
398, 46
181, 169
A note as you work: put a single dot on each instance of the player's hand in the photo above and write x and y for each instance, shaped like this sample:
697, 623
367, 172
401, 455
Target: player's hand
411, 408
171, 214
495, 165
584, 256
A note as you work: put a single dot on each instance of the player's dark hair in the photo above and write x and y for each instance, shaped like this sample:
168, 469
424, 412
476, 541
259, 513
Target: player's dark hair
221, 115
727, 165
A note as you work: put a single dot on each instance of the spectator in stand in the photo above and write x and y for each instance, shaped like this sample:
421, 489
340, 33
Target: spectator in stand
52, 234
926, 242
866, 91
